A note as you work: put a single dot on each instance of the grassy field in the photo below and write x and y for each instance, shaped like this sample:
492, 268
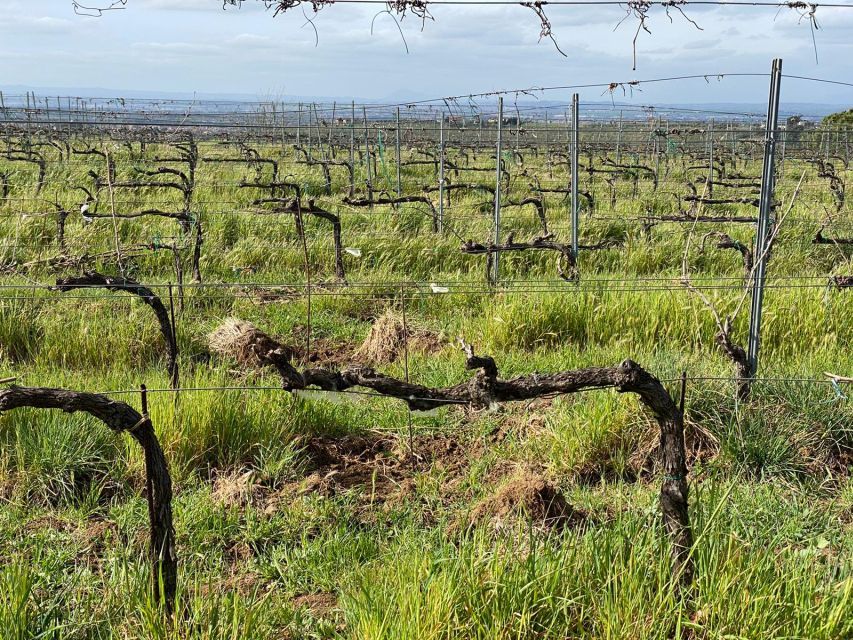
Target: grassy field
345, 516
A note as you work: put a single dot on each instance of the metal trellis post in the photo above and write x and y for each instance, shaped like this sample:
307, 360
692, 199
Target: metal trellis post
619, 141
765, 214
352, 144
517, 127
575, 154
399, 184
309, 132
367, 155
711, 159
441, 175
657, 154
497, 255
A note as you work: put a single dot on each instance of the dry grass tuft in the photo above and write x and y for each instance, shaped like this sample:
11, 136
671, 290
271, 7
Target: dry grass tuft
236, 489
387, 340
242, 341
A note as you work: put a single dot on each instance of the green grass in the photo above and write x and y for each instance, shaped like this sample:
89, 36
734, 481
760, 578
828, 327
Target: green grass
277, 542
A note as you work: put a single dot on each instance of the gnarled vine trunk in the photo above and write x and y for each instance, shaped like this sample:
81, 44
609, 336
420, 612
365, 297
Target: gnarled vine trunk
117, 283
121, 417
485, 389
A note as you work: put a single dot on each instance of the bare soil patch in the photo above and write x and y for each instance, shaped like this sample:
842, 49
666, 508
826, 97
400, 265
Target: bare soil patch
319, 604
526, 496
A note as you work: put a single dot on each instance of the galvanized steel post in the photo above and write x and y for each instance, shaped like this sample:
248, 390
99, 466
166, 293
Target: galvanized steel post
711, 159
441, 174
765, 217
367, 156
399, 185
575, 154
497, 255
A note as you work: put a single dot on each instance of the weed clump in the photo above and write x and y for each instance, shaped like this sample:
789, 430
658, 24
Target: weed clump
390, 336
527, 496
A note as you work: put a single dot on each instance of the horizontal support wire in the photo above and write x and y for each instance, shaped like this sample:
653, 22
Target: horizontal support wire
370, 394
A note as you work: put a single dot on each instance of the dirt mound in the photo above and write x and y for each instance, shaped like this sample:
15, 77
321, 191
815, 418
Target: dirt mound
48, 521
530, 497
379, 469
343, 463
390, 336
319, 604
96, 538
327, 353
242, 341
244, 584
245, 343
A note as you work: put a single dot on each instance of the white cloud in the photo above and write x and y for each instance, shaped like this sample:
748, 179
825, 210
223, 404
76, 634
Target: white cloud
251, 41
37, 25
184, 48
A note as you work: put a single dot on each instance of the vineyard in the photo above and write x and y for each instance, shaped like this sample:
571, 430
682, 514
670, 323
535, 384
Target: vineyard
457, 368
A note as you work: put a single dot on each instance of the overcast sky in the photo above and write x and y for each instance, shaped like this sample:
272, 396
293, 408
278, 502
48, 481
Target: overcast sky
195, 45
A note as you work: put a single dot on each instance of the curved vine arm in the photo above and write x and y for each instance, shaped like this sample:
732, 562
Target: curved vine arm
122, 418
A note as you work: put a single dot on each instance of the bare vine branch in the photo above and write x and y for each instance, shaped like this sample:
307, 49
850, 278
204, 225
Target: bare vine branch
639, 9
545, 23
97, 12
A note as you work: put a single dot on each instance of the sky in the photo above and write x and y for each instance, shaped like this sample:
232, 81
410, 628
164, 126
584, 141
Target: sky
191, 46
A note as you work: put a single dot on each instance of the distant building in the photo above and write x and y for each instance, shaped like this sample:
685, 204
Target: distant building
794, 126
508, 121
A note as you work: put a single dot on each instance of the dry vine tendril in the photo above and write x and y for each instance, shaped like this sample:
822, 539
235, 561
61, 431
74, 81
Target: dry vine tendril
639, 9
546, 31
807, 10
280, 6
417, 8
398, 9
97, 12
